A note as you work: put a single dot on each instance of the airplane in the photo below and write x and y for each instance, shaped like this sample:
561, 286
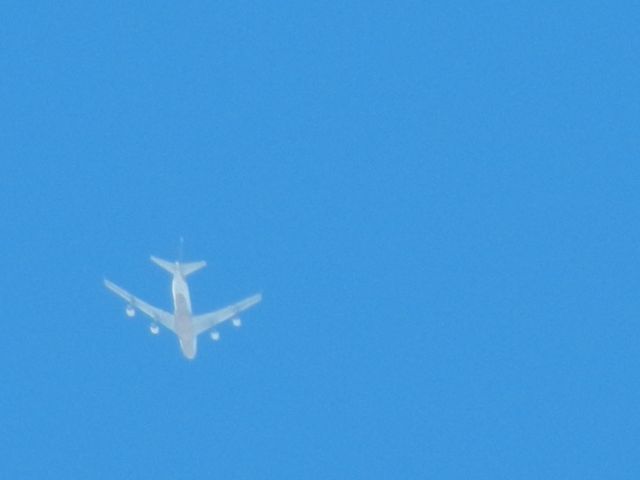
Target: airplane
182, 321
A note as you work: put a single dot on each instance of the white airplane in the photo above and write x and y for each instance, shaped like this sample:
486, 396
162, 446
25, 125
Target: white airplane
182, 322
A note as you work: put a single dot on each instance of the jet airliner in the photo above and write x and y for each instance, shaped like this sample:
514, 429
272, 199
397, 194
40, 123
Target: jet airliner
182, 322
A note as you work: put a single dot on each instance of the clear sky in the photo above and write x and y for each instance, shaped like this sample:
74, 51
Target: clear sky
438, 200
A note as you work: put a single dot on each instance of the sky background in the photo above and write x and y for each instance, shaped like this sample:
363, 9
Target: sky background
438, 200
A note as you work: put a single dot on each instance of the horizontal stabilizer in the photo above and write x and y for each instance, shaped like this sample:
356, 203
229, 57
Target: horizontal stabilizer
183, 268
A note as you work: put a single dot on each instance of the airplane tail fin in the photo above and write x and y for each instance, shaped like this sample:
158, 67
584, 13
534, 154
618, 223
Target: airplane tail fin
183, 268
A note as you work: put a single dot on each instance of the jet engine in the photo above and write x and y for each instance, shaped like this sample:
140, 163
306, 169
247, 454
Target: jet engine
130, 311
236, 322
154, 329
215, 336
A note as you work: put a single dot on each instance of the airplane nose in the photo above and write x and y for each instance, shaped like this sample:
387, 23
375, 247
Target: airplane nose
189, 348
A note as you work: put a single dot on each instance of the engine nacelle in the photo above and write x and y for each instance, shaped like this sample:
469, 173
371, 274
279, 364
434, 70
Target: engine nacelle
130, 311
215, 336
154, 328
236, 322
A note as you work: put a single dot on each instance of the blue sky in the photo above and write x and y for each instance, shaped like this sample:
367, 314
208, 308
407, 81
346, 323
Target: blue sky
439, 203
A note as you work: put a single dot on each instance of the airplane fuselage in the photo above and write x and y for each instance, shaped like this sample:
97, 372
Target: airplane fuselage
182, 316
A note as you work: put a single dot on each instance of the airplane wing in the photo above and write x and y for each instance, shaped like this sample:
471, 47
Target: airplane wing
202, 323
158, 315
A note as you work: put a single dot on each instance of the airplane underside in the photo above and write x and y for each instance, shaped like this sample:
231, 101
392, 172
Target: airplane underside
182, 322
